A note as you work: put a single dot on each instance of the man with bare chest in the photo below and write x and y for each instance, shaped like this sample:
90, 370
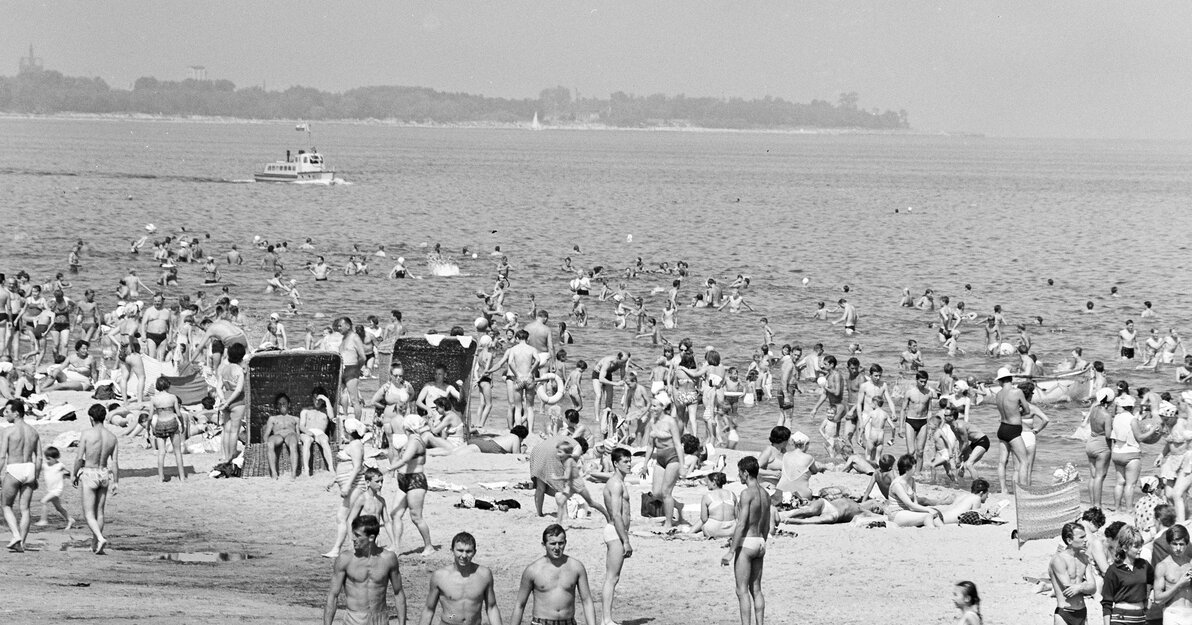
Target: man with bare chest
554, 579
363, 576
96, 471
20, 467
464, 589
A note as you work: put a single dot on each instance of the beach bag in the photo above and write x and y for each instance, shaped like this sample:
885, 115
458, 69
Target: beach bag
104, 391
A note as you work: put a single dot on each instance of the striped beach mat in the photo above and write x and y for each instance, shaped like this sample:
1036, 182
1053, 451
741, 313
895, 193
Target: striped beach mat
1043, 510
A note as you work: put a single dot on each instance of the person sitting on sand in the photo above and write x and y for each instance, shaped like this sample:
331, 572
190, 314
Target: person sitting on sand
903, 508
717, 509
312, 430
797, 468
281, 429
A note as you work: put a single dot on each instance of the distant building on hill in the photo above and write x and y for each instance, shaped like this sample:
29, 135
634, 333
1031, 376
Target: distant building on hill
31, 64
198, 72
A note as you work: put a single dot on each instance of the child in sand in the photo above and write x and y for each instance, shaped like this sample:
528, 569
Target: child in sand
54, 473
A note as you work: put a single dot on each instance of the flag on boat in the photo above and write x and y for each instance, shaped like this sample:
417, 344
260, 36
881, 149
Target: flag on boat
301, 127
1042, 510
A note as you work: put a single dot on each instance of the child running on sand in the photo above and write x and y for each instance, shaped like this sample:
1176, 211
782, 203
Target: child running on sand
55, 475
965, 597
947, 448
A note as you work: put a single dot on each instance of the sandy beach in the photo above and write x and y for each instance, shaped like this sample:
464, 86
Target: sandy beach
826, 574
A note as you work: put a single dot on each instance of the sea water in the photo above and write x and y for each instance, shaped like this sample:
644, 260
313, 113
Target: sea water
983, 220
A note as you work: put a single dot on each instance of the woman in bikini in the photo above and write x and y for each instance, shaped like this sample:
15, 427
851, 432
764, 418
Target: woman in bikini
1029, 431
483, 381
663, 444
349, 478
166, 427
685, 395
770, 460
904, 509
411, 481
1096, 448
393, 397
717, 509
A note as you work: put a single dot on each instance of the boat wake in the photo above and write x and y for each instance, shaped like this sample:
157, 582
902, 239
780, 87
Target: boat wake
16, 171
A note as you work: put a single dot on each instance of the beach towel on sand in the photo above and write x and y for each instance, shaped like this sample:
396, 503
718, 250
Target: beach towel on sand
1043, 510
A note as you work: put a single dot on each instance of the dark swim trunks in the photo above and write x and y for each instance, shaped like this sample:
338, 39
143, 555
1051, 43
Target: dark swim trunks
158, 338
1128, 353
1007, 432
351, 372
916, 424
1073, 617
411, 481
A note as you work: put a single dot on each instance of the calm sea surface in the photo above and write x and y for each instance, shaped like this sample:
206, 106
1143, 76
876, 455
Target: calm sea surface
1002, 216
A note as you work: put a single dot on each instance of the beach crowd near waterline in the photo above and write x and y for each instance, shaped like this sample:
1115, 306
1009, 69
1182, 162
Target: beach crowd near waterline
676, 406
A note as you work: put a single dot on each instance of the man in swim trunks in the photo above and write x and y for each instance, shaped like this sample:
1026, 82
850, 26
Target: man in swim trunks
616, 531
351, 350
20, 466
7, 299
1011, 405
540, 337
464, 589
1128, 340
320, 270
786, 374
554, 580
848, 316
281, 429
834, 389
916, 408
363, 575
521, 363
96, 472
1071, 576
747, 551
602, 379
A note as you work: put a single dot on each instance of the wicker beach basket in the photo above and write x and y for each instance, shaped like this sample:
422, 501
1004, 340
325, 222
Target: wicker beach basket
419, 355
295, 373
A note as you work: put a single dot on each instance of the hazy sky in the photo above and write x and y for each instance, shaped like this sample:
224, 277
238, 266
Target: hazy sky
1055, 68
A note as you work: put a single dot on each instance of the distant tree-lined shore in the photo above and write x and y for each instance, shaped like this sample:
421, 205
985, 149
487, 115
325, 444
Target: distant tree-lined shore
49, 92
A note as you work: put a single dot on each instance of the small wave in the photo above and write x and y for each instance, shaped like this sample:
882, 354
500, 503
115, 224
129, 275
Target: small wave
16, 171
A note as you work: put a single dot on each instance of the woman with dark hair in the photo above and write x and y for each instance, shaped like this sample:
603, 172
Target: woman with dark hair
1128, 582
904, 509
717, 509
770, 460
686, 396
166, 427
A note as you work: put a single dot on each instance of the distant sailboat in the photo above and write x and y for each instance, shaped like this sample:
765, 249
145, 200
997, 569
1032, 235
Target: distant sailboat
534, 125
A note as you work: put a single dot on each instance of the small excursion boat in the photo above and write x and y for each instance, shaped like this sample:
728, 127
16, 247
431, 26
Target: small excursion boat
304, 167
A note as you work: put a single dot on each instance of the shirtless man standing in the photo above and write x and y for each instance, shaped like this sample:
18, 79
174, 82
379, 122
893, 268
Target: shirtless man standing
786, 375
464, 589
1011, 405
351, 350
520, 362
540, 337
363, 575
135, 284
875, 387
1071, 577
848, 316
6, 299
97, 470
616, 531
834, 389
554, 579
747, 551
155, 326
602, 379
916, 408
20, 466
